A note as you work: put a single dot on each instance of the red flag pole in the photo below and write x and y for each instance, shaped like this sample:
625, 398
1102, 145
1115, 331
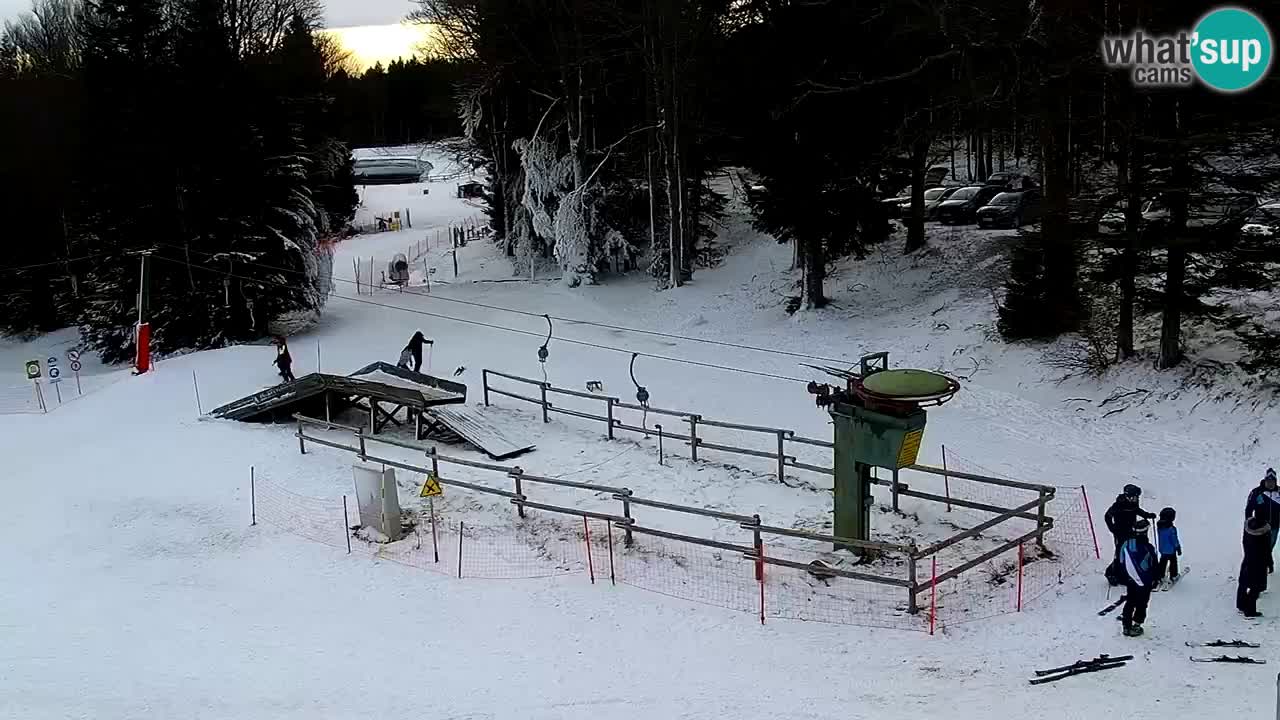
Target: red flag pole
1089, 513
933, 597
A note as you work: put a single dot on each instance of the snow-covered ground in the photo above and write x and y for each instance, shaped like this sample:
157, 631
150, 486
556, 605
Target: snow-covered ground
135, 587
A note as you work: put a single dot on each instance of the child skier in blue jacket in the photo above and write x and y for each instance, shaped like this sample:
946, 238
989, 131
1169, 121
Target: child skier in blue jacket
1169, 544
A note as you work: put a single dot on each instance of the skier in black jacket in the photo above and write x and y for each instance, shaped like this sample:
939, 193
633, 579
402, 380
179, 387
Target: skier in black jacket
1253, 569
1120, 519
284, 361
1264, 503
413, 351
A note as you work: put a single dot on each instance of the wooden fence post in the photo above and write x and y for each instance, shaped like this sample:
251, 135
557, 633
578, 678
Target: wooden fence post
545, 417
946, 479
609, 402
782, 455
912, 606
693, 436
484, 383
1040, 518
627, 538
515, 475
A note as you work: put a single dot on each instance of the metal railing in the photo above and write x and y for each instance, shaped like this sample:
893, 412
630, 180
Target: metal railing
1035, 510
518, 477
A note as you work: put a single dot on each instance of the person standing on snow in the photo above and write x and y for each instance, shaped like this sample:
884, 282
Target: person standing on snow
413, 351
1264, 503
1169, 544
1120, 519
284, 361
1139, 561
1255, 566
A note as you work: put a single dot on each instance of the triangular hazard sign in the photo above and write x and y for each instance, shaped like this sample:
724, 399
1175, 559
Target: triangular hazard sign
431, 487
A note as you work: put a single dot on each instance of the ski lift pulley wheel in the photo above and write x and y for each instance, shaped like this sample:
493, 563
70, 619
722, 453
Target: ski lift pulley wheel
907, 385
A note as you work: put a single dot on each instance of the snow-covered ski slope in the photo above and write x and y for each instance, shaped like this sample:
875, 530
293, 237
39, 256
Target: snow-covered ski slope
134, 587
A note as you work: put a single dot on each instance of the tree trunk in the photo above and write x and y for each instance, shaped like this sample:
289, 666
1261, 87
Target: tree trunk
1175, 275
815, 270
1171, 321
1062, 296
915, 224
1132, 178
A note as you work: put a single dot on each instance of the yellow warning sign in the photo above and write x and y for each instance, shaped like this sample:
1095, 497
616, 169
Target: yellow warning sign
431, 487
910, 448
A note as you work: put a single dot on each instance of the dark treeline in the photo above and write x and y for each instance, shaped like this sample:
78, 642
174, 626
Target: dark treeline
202, 129
404, 102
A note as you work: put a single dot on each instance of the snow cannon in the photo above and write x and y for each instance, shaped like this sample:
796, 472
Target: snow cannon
398, 270
879, 421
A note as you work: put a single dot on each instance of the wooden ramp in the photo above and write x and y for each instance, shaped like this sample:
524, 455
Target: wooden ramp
471, 425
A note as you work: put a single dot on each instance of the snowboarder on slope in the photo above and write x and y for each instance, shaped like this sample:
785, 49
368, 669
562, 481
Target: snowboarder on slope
1120, 518
1139, 561
284, 361
1169, 544
1254, 567
413, 351
1264, 503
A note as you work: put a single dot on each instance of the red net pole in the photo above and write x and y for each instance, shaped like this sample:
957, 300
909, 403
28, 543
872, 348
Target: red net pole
933, 597
586, 538
613, 580
1020, 577
1089, 514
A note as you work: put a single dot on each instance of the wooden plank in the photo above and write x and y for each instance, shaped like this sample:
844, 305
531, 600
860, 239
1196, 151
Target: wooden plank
473, 427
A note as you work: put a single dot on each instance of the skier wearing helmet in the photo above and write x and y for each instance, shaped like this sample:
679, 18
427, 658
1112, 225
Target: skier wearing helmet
1123, 512
1139, 560
1120, 519
1264, 503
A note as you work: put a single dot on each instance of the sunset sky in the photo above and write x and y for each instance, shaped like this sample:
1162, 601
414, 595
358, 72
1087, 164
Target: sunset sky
371, 29
381, 43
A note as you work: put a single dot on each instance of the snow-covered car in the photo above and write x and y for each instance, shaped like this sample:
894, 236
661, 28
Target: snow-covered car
1112, 220
962, 206
1010, 209
1263, 221
1205, 213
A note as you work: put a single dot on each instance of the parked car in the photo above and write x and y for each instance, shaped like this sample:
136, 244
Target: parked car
1011, 181
900, 207
962, 206
1010, 209
1262, 222
1112, 220
1210, 212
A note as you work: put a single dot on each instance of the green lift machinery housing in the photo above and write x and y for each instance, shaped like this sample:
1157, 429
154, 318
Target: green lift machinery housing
879, 420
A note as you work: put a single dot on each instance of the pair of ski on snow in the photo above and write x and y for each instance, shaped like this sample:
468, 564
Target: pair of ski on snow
1080, 667
1108, 662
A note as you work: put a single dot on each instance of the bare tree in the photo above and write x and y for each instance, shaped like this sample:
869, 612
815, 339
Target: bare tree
48, 40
